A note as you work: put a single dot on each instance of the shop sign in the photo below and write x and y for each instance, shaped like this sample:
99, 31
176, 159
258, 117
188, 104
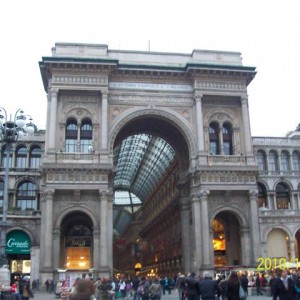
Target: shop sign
78, 242
17, 242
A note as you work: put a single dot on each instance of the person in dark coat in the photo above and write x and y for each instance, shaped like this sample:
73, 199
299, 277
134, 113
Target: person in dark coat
209, 288
284, 287
233, 286
192, 287
258, 284
244, 282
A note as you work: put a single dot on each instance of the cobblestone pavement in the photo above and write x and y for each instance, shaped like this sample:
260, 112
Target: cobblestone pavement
173, 296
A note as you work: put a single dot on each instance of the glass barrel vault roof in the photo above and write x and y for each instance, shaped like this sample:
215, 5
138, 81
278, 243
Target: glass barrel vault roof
140, 162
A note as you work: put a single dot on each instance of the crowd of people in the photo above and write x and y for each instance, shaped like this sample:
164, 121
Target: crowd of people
282, 285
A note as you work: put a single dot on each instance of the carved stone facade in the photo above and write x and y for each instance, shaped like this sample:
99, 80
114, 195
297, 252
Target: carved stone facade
197, 103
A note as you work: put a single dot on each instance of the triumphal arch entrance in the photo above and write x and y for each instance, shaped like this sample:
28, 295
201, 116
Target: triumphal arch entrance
148, 164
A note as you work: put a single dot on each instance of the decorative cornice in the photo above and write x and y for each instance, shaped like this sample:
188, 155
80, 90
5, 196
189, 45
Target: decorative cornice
220, 86
63, 79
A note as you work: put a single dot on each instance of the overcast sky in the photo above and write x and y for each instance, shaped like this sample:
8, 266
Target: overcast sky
266, 32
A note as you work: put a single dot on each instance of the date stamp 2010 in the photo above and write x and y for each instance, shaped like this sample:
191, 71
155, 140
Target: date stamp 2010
268, 263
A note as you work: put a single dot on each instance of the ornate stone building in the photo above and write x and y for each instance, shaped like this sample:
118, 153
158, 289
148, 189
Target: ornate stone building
148, 164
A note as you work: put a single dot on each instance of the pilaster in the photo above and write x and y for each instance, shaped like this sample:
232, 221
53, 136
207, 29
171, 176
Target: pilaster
255, 238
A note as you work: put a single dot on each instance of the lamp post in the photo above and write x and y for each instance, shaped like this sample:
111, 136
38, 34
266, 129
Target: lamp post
10, 131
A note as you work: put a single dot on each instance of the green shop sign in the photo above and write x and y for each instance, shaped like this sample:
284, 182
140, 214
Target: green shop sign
17, 242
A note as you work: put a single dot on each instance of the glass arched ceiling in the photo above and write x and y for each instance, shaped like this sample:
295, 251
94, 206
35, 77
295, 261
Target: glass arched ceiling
140, 162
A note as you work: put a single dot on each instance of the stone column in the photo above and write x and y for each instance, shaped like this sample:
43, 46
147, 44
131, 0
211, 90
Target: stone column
196, 212
207, 264
246, 125
199, 122
56, 248
103, 268
35, 262
245, 246
104, 112
271, 200
96, 247
255, 238
221, 141
110, 230
292, 247
235, 141
294, 200
297, 199
52, 122
185, 230
48, 230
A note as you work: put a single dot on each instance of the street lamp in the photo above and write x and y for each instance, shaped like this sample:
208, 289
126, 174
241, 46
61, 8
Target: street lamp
10, 131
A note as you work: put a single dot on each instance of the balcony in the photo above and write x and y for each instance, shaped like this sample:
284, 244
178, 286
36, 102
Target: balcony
22, 213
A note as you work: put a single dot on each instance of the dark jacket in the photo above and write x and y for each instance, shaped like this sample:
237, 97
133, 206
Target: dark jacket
244, 283
283, 293
192, 286
233, 291
209, 289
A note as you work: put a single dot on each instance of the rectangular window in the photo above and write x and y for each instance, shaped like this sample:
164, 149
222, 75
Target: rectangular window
21, 162
35, 162
78, 257
227, 148
27, 204
71, 146
85, 146
213, 148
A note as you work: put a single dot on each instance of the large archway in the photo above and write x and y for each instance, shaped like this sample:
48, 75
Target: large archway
151, 154
76, 243
226, 239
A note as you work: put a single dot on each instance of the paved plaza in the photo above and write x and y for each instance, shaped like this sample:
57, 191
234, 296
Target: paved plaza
173, 296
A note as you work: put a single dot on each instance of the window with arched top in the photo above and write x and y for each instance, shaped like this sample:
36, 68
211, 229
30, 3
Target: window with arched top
296, 161
21, 157
86, 136
27, 195
284, 161
213, 131
261, 160
227, 139
4, 155
282, 196
273, 161
262, 200
71, 136
35, 157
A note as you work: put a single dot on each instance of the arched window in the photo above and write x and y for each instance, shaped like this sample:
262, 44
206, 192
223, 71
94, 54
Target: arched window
261, 160
284, 161
71, 136
27, 195
214, 138
282, 196
21, 157
262, 200
273, 161
296, 161
35, 157
3, 157
227, 139
86, 136
1, 193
